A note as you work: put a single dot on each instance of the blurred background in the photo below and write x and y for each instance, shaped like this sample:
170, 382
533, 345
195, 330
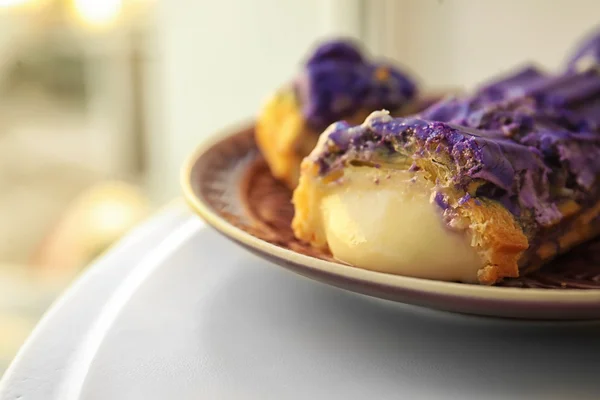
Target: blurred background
101, 100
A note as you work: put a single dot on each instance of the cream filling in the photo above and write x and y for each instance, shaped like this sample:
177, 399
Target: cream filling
382, 220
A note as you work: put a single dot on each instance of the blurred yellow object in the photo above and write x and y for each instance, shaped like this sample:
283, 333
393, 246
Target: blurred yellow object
97, 12
96, 219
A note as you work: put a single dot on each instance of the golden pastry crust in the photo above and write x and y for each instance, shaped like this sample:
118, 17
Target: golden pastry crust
579, 230
498, 238
306, 204
283, 136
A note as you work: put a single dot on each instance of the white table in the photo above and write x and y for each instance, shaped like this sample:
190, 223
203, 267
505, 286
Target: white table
175, 311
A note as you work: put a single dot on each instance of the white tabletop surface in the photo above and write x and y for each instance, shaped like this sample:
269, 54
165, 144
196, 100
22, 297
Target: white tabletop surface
175, 311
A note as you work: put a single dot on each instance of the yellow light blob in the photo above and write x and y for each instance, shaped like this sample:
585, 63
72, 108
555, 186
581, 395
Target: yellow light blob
97, 12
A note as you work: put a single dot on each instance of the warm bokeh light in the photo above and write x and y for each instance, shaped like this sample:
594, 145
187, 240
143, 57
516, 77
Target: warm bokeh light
97, 12
97, 218
11, 3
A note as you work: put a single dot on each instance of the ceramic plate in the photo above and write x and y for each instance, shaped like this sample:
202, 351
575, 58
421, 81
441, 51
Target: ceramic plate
228, 184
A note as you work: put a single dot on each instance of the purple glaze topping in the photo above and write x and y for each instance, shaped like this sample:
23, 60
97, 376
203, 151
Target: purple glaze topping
530, 152
338, 50
575, 94
338, 80
464, 199
441, 200
510, 85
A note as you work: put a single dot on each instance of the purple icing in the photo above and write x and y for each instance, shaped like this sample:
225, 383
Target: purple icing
339, 50
510, 85
575, 92
441, 201
530, 151
338, 80
464, 199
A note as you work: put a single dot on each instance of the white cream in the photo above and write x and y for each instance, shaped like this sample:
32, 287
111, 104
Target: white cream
394, 227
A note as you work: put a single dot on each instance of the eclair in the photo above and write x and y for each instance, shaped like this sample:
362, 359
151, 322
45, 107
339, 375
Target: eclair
473, 189
337, 82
